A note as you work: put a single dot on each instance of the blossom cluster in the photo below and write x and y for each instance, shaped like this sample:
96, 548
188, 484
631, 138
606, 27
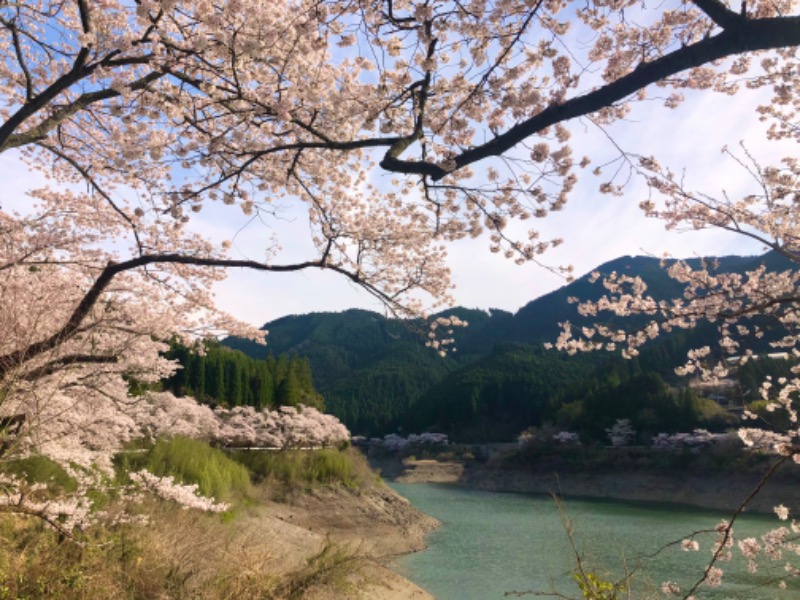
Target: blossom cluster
695, 439
64, 514
768, 441
288, 427
396, 442
168, 489
164, 414
621, 433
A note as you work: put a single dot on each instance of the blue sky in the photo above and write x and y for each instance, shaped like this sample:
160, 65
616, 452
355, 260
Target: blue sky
596, 228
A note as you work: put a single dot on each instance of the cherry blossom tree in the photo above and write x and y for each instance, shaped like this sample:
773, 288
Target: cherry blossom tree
621, 433
397, 125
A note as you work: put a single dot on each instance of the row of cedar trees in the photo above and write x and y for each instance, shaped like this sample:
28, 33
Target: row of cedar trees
221, 376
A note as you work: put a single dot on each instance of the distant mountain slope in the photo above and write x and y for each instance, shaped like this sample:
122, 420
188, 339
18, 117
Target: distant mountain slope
537, 321
499, 395
367, 367
373, 370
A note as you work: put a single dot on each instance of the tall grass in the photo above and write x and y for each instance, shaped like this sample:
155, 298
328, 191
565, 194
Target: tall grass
40, 469
297, 468
35, 562
194, 462
181, 555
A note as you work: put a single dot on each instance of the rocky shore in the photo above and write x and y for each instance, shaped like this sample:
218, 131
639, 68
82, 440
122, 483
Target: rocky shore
715, 490
369, 527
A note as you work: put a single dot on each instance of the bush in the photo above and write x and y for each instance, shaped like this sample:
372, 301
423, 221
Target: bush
193, 461
303, 467
40, 469
182, 554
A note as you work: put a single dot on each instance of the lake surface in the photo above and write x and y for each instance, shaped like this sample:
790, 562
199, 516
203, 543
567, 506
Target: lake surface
491, 543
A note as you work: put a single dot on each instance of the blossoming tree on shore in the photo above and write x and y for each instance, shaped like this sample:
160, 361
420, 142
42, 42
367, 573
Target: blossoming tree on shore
140, 114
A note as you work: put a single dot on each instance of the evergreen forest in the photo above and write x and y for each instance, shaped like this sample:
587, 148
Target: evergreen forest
377, 376
217, 375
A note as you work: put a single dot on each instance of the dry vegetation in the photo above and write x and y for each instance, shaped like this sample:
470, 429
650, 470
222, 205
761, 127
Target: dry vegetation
301, 530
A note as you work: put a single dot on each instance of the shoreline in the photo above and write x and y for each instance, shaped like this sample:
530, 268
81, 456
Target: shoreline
711, 490
372, 525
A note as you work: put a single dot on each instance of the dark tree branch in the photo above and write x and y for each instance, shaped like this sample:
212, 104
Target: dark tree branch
12, 27
113, 269
720, 14
745, 36
72, 359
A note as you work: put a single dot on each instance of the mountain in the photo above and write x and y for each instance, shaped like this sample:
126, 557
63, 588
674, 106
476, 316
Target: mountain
376, 374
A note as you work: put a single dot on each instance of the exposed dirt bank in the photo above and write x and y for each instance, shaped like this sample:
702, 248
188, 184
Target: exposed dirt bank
367, 528
723, 491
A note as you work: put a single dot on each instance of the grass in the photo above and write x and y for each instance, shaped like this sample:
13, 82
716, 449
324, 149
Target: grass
193, 462
304, 468
180, 555
183, 553
331, 567
40, 469
36, 563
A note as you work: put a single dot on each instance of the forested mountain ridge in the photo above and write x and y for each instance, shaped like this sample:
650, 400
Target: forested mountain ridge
376, 375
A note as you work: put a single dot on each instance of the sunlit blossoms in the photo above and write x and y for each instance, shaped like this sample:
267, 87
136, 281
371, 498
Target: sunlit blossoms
185, 495
690, 545
395, 127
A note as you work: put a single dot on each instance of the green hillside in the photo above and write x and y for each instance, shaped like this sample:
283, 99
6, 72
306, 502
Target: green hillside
376, 375
221, 376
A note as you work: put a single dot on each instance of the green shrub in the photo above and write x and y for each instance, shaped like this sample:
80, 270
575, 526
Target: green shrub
40, 469
302, 467
193, 461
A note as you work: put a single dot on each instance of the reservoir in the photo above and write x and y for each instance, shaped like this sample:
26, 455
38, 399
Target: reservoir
491, 545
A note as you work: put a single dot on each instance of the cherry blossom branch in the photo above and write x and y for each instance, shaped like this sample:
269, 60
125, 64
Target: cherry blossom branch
498, 61
748, 36
64, 361
9, 139
93, 183
728, 528
52, 521
113, 269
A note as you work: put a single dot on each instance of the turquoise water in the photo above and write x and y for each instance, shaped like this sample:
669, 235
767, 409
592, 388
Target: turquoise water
490, 544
